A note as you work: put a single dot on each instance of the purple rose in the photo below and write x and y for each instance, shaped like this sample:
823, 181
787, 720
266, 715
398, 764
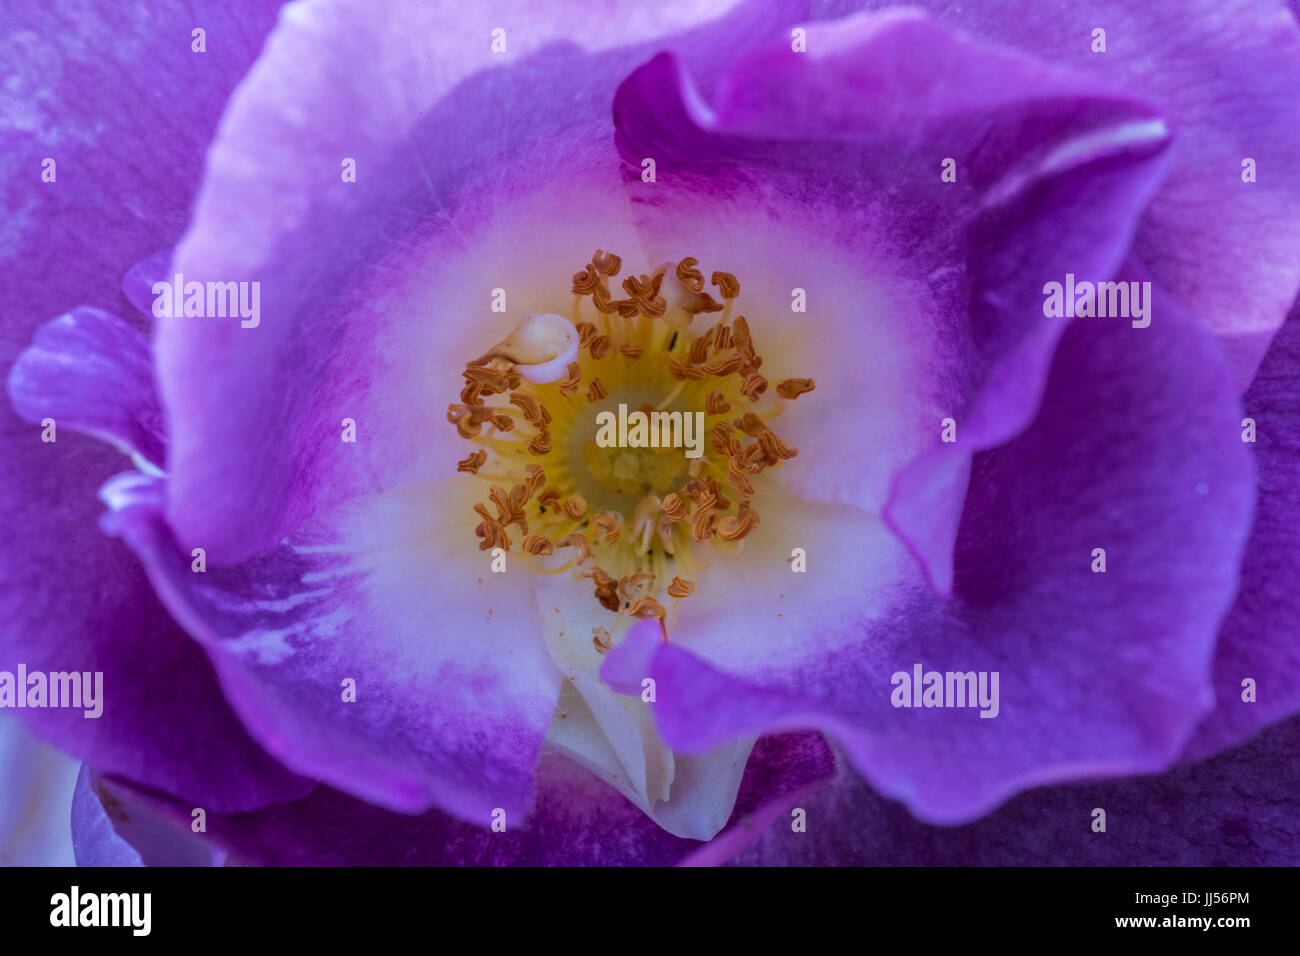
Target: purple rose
490, 436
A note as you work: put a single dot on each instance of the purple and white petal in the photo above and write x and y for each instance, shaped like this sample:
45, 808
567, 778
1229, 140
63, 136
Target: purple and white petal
823, 174
373, 649
1135, 451
1226, 73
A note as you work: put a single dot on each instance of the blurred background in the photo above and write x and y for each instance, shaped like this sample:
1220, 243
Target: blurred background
36, 783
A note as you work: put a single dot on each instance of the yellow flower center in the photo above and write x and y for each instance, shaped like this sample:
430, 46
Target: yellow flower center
635, 512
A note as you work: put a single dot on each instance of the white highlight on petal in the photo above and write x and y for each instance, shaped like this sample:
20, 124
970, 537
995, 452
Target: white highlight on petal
1079, 149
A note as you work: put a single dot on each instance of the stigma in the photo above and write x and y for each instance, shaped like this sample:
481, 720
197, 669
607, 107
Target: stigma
637, 519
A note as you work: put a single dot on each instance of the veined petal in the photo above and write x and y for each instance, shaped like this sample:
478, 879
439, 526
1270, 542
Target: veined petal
1123, 655
119, 830
372, 649
475, 171
91, 372
1227, 75
835, 161
99, 161
1257, 643
1237, 809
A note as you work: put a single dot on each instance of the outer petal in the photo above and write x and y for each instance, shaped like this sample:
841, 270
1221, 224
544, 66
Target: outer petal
92, 372
578, 820
1239, 809
113, 829
1227, 74
128, 154
925, 296
384, 600
89, 371
1136, 450
128, 149
475, 171
1259, 636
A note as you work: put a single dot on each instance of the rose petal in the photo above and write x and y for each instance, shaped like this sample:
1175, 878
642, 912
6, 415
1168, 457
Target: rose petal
112, 828
1239, 809
452, 687
578, 820
476, 171
128, 154
1258, 638
38, 784
1225, 72
821, 173
1135, 450
90, 371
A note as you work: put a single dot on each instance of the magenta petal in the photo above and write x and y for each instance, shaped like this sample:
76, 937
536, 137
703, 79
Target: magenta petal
124, 831
165, 722
1100, 673
1226, 73
470, 167
372, 649
1258, 640
577, 820
139, 281
1238, 809
127, 121
91, 372
845, 148
129, 152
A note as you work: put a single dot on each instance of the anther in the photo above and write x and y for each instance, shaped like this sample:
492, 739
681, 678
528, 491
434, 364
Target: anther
473, 463
794, 387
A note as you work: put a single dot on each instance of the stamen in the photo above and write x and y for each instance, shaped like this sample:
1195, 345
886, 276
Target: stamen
716, 404
728, 285
672, 505
636, 587
576, 540
575, 506
753, 386
570, 384
794, 387
605, 525
606, 263
680, 588
535, 544
735, 528
473, 463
